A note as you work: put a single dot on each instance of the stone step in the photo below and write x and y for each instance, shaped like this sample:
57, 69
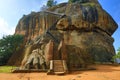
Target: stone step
58, 67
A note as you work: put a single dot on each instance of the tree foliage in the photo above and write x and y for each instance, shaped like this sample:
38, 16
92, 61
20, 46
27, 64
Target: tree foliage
9, 45
51, 3
117, 56
80, 1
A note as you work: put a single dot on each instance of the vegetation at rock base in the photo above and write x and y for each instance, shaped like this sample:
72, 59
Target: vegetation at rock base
9, 45
117, 56
51, 3
6, 69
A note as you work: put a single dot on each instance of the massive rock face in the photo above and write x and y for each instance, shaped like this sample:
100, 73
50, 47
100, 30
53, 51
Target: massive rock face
86, 30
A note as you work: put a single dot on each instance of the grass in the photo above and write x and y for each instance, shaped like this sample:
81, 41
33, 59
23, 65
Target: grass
6, 69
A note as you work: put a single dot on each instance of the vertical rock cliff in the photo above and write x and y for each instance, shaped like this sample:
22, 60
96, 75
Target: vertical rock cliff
86, 29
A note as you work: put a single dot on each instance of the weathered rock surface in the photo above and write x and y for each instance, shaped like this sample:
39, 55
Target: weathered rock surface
86, 29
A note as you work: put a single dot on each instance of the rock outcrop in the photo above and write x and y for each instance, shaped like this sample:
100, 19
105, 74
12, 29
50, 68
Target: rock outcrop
85, 27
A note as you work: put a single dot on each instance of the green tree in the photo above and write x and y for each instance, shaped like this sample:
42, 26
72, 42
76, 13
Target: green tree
80, 1
51, 3
117, 56
9, 45
72, 1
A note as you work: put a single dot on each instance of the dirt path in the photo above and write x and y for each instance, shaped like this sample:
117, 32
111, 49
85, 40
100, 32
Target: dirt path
103, 72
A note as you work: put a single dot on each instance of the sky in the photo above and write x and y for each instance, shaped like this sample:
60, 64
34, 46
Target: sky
12, 10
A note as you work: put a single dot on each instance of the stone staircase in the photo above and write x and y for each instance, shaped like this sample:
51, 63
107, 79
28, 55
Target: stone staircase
58, 67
